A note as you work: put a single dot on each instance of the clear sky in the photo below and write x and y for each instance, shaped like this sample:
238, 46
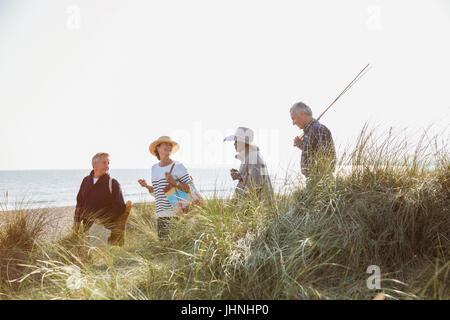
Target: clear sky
79, 77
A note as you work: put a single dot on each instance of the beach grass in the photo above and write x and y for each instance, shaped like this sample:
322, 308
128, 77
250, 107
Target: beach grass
386, 206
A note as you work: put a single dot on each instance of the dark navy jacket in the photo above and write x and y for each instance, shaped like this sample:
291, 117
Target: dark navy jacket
96, 201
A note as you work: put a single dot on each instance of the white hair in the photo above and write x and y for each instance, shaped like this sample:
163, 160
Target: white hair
300, 106
98, 156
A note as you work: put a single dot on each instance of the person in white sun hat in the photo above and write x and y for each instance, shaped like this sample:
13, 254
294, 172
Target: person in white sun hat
252, 175
165, 172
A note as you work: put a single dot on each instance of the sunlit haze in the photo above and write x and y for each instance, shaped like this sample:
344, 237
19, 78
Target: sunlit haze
80, 77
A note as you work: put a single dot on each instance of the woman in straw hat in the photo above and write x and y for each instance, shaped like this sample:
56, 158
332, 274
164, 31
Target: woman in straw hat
165, 172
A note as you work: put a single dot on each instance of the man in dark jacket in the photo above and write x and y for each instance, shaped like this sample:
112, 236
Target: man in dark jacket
317, 145
100, 199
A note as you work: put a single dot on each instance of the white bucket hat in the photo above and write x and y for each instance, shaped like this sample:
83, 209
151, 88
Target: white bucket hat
242, 134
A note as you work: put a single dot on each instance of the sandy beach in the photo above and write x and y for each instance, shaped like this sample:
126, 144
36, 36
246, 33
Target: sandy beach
58, 219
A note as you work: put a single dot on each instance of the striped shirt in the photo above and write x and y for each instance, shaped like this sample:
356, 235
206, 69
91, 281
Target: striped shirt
159, 182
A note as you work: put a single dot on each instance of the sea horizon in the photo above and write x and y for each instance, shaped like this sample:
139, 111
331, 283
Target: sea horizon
47, 188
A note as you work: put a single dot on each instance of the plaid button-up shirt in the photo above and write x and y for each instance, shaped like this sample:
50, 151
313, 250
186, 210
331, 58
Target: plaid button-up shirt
317, 140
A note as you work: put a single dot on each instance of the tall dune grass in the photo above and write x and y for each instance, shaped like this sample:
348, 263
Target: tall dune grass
19, 230
386, 206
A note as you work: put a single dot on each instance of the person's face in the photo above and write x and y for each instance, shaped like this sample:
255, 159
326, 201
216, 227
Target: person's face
298, 119
101, 167
164, 149
239, 146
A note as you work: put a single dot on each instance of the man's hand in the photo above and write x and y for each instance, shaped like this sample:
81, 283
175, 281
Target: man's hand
144, 184
298, 142
76, 227
234, 174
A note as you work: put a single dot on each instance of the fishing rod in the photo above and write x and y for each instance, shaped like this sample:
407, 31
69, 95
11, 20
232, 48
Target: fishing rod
356, 79
359, 76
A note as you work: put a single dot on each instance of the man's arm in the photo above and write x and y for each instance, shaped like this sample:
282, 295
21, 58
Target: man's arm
78, 208
324, 140
323, 152
118, 205
326, 146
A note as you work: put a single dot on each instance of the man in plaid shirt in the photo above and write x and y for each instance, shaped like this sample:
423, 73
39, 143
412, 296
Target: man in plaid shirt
318, 152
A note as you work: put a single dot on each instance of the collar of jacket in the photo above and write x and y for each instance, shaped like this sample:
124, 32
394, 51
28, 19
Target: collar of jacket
309, 125
102, 178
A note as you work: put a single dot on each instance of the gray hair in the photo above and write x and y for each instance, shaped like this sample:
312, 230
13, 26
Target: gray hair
98, 156
300, 106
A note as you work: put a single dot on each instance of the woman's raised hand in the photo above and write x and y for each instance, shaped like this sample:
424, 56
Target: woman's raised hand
143, 183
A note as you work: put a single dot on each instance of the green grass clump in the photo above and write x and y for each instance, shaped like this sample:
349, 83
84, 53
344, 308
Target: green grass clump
385, 206
18, 231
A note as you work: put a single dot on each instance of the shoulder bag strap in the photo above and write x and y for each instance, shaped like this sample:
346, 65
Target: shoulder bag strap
171, 169
170, 172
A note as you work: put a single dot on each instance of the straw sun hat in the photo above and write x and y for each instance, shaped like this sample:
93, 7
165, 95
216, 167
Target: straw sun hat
160, 140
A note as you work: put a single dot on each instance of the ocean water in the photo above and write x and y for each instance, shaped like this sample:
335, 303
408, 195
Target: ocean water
57, 188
